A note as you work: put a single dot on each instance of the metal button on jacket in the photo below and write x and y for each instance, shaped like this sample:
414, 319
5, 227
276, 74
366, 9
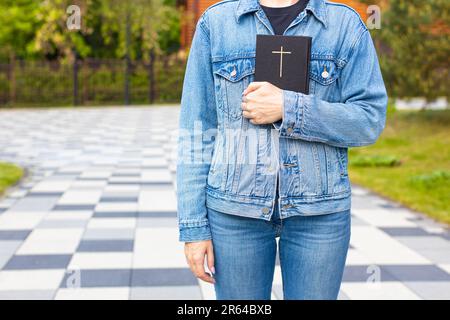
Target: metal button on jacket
325, 74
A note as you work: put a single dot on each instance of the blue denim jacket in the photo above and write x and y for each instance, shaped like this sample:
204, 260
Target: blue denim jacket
228, 164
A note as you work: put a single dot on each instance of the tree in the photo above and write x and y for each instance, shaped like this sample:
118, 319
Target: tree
153, 26
17, 28
414, 48
53, 38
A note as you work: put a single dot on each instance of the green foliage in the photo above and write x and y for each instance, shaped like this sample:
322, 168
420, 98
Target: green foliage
421, 182
434, 179
152, 26
374, 161
31, 28
414, 48
9, 175
17, 28
53, 38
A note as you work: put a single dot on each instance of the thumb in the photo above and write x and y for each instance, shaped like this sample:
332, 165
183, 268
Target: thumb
252, 87
210, 258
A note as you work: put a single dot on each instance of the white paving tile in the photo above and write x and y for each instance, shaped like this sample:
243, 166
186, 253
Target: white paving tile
384, 218
72, 169
51, 241
11, 220
69, 215
149, 253
207, 289
112, 223
101, 260
73, 197
125, 179
438, 230
445, 267
154, 162
157, 200
383, 249
52, 186
116, 207
356, 191
153, 152
87, 185
156, 175
96, 174
122, 188
355, 258
30, 279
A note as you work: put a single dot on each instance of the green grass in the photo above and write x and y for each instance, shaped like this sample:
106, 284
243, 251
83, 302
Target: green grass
410, 163
9, 175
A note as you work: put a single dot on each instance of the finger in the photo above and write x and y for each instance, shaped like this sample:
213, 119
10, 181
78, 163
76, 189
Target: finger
187, 255
254, 121
190, 263
192, 266
252, 87
248, 114
247, 106
199, 271
190, 260
210, 257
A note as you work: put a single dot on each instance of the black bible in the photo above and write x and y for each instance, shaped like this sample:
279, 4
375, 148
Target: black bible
283, 61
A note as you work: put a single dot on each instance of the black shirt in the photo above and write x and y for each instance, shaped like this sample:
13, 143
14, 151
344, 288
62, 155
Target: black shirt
280, 18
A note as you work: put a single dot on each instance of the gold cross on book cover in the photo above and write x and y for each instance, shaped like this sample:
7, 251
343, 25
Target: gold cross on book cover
283, 61
281, 52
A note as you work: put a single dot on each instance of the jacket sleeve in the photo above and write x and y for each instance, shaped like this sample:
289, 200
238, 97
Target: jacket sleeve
358, 120
197, 125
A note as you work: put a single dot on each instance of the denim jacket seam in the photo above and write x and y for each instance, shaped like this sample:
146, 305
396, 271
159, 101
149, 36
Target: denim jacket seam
351, 143
320, 196
213, 193
355, 43
192, 234
204, 27
193, 223
303, 110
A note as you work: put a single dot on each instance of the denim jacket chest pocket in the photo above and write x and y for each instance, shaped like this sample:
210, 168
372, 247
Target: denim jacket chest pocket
232, 78
324, 73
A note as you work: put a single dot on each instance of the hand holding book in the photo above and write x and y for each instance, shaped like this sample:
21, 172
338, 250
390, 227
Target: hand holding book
282, 63
262, 103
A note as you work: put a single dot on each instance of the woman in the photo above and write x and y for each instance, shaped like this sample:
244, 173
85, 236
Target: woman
257, 162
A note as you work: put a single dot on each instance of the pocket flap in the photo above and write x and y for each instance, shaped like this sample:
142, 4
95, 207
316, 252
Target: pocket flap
234, 70
324, 71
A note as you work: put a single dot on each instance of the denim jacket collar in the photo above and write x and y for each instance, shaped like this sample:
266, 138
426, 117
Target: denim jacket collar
316, 7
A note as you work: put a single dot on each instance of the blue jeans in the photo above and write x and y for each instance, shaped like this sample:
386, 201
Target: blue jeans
312, 251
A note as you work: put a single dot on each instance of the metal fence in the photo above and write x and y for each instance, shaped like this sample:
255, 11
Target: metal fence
91, 82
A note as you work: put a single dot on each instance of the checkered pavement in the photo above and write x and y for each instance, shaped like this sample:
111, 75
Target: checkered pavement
95, 217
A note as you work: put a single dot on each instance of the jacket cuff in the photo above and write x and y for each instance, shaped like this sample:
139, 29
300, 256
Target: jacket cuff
292, 114
194, 234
